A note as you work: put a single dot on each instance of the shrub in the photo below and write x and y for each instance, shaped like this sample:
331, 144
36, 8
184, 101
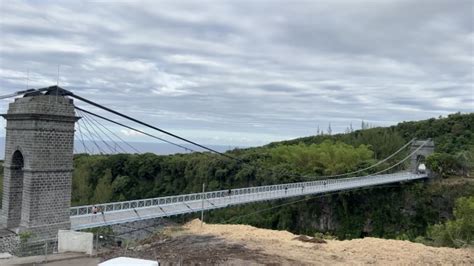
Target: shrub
458, 232
443, 164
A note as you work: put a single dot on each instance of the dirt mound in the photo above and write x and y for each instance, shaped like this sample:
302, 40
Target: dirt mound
310, 239
358, 251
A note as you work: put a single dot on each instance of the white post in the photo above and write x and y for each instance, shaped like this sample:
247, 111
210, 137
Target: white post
202, 202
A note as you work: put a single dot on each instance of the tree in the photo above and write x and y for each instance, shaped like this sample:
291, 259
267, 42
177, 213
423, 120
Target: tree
458, 232
348, 130
443, 164
465, 160
122, 187
81, 189
103, 190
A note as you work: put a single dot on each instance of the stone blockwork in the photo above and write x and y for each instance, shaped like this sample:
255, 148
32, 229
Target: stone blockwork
38, 164
9, 241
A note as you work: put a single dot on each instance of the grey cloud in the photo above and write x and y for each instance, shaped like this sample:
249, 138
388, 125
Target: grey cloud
245, 72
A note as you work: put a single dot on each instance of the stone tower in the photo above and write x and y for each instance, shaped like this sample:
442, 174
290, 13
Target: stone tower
38, 163
419, 157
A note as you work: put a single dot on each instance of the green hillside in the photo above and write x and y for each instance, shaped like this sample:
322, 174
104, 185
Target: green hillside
398, 210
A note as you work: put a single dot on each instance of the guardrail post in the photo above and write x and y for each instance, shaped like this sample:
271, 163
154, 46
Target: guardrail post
202, 202
46, 251
97, 244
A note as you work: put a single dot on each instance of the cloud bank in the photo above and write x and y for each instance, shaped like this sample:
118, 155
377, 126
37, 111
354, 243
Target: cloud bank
246, 73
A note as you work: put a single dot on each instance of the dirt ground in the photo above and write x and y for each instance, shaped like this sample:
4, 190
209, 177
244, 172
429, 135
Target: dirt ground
246, 245
74, 262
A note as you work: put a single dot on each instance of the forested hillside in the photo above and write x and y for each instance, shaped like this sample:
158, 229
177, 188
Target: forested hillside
451, 134
387, 212
131, 176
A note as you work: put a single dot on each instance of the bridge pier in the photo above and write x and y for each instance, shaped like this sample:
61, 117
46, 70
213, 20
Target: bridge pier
38, 164
420, 156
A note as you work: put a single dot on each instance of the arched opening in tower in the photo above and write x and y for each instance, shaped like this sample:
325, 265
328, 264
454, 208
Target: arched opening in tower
16, 186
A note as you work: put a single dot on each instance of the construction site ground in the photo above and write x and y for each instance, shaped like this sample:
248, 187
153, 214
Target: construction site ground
218, 244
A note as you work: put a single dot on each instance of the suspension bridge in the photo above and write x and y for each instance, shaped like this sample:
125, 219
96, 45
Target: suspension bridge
38, 169
84, 217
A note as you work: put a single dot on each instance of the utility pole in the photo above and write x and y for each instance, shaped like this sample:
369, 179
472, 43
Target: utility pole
202, 203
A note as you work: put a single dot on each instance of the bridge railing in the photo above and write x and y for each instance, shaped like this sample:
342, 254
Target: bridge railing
169, 200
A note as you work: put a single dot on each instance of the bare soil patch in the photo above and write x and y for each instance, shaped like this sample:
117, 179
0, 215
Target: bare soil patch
180, 247
216, 244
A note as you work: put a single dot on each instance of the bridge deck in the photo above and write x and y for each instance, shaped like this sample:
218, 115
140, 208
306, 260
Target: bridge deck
128, 211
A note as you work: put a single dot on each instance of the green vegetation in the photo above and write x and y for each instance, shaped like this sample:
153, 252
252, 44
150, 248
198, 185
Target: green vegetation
445, 164
131, 176
451, 134
25, 236
458, 232
397, 211
321, 159
122, 177
404, 211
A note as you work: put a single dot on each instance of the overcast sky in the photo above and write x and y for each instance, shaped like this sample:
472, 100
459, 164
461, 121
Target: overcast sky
246, 73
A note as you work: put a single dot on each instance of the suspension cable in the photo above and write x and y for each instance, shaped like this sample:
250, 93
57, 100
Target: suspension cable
113, 133
369, 167
305, 199
299, 176
148, 125
134, 129
404, 159
69, 93
82, 138
104, 133
18, 93
91, 138
112, 150
329, 194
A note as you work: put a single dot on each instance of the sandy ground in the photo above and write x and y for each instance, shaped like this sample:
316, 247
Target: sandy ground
282, 244
216, 244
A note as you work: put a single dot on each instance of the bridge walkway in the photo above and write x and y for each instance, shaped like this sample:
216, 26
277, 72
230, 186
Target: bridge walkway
82, 217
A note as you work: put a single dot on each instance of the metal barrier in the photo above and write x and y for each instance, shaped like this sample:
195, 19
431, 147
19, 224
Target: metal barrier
42, 247
118, 212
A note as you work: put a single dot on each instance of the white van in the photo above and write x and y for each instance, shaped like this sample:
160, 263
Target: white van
126, 261
421, 168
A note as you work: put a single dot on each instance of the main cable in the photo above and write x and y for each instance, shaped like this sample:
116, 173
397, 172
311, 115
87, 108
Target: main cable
18, 93
22, 92
404, 159
358, 171
293, 175
134, 129
69, 93
149, 126
372, 166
